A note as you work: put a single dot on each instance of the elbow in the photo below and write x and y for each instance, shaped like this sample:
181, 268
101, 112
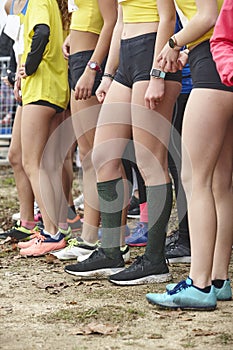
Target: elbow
210, 19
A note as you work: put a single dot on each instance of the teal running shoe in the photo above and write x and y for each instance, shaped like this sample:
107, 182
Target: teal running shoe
184, 296
223, 293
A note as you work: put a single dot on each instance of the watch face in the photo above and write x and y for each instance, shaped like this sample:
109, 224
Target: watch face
156, 73
171, 43
92, 65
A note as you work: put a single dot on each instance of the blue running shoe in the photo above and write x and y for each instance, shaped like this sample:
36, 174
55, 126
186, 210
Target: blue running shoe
223, 294
185, 296
127, 232
139, 235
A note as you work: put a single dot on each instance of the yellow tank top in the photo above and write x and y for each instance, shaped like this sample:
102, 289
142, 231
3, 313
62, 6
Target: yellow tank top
139, 11
87, 17
189, 9
50, 81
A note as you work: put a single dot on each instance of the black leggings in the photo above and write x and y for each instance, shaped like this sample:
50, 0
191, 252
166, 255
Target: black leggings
174, 163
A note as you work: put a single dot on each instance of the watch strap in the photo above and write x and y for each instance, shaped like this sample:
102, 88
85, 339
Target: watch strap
94, 66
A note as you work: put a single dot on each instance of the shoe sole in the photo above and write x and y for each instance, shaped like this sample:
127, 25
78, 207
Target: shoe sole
133, 216
73, 257
144, 280
178, 307
136, 244
101, 273
180, 259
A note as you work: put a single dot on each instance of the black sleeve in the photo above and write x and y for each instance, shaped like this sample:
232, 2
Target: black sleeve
12, 64
12, 68
39, 42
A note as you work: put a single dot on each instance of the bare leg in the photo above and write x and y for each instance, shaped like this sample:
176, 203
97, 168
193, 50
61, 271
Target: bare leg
204, 131
23, 185
222, 189
36, 123
84, 117
151, 132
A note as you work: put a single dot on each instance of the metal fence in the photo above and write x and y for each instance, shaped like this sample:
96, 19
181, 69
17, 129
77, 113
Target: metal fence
7, 109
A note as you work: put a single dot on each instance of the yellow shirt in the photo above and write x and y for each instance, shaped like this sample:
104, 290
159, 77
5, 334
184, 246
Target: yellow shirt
50, 81
87, 18
189, 9
139, 11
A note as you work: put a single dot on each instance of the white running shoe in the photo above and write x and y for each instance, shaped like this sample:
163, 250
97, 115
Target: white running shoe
76, 248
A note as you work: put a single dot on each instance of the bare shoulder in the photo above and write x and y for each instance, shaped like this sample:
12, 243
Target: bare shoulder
8, 6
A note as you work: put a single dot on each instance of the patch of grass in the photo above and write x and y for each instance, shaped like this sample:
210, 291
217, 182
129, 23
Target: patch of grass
8, 181
225, 338
188, 344
109, 313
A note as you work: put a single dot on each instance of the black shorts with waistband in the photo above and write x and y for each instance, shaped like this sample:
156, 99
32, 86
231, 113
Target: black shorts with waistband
77, 64
203, 69
136, 59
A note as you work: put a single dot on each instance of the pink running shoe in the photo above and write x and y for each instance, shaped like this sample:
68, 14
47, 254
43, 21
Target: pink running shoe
44, 245
34, 238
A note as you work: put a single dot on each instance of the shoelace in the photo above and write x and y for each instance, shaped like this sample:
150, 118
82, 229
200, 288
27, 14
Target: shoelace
73, 242
138, 261
40, 238
138, 228
180, 286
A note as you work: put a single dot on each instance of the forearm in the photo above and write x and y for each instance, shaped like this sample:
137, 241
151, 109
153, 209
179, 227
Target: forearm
39, 42
201, 23
109, 14
114, 51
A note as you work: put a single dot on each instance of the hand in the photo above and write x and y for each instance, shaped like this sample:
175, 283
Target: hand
22, 72
17, 89
154, 93
103, 89
168, 59
6, 81
183, 58
66, 47
83, 88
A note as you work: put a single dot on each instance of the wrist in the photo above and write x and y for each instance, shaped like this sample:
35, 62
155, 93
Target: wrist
172, 42
157, 73
94, 66
108, 75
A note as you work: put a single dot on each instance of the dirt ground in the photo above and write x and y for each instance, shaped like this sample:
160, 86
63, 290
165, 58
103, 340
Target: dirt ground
42, 307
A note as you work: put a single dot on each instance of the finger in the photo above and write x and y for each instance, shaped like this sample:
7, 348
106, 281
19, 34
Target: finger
147, 103
89, 92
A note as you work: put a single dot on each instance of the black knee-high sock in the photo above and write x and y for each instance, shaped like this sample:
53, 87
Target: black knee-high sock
111, 196
159, 201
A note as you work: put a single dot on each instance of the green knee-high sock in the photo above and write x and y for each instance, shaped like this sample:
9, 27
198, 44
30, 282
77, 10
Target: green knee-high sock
159, 201
111, 196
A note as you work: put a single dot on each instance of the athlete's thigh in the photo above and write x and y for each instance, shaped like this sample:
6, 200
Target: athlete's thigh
114, 123
151, 128
206, 119
84, 118
15, 145
35, 129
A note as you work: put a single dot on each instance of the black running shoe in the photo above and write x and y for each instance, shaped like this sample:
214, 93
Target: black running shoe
178, 253
134, 209
20, 233
172, 238
97, 265
142, 271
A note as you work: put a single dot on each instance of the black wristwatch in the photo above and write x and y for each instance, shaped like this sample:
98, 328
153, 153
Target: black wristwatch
156, 73
173, 43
